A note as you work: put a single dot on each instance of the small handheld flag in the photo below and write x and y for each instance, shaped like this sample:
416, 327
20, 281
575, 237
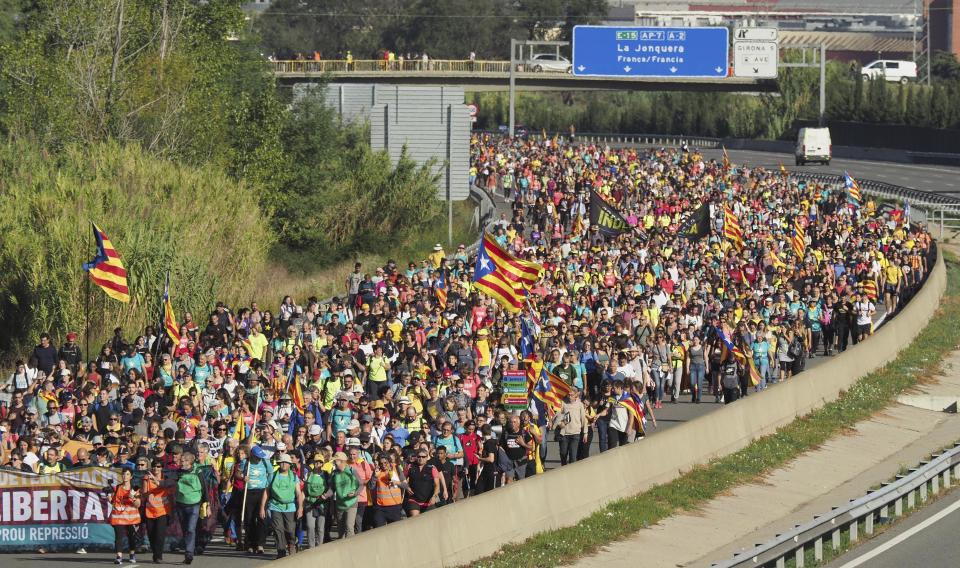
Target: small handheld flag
169, 319
799, 241
853, 189
731, 228
440, 289
106, 270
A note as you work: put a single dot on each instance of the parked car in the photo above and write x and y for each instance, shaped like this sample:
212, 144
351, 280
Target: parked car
890, 70
549, 62
813, 145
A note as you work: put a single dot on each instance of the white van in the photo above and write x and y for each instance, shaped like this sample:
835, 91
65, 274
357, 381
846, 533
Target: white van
893, 71
813, 145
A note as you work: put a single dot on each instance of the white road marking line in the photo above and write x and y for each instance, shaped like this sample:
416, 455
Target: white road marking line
895, 541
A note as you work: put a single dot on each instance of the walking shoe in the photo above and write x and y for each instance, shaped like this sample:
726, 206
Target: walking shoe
118, 561
187, 559
133, 559
81, 550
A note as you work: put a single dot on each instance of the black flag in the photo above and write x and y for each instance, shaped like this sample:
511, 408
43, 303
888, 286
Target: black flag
697, 224
605, 217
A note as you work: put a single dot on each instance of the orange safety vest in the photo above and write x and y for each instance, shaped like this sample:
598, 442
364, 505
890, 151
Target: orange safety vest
159, 499
124, 511
387, 494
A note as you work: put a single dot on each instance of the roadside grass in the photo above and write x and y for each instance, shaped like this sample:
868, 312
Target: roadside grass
296, 274
621, 518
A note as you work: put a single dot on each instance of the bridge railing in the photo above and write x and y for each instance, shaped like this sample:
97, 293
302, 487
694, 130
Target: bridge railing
381, 66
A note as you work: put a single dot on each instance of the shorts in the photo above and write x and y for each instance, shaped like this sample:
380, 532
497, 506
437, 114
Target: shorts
890, 289
517, 469
411, 506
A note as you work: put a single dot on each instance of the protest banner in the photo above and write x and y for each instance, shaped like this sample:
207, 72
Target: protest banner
56, 511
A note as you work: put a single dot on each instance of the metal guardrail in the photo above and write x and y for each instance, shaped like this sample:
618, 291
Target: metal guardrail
666, 140
916, 197
873, 507
380, 66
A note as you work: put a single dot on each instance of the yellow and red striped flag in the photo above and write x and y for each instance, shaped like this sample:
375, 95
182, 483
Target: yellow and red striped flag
106, 270
731, 227
169, 319
870, 288
799, 241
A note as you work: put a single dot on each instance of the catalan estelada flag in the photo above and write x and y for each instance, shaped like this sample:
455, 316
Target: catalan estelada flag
169, 319
106, 270
726, 158
740, 356
440, 289
870, 288
550, 390
775, 259
634, 408
489, 280
523, 272
731, 227
853, 189
799, 240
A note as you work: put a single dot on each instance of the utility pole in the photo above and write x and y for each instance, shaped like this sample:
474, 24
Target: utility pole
513, 83
823, 84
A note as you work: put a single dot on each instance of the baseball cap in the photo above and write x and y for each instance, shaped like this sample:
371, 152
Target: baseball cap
340, 456
353, 442
353, 424
316, 430
403, 400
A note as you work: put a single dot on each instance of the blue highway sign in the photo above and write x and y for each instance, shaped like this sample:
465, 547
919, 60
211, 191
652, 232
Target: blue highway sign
613, 51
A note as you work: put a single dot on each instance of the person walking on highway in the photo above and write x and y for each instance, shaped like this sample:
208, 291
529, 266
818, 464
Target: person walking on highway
284, 501
158, 490
572, 423
188, 498
315, 510
125, 516
345, 489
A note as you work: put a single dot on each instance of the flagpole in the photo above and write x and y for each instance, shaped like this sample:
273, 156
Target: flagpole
241, 530
160, 331
86, 310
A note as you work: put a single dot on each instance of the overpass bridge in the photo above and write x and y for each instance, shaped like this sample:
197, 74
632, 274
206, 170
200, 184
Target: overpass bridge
495, 76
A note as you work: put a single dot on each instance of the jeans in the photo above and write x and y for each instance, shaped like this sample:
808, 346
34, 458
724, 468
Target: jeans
602, 427
569, 444
346, 521
763, 367
697, 374
583, 450
189, 515
660, 377
316, 527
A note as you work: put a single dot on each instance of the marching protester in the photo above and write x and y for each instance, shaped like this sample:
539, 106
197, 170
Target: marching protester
646, 276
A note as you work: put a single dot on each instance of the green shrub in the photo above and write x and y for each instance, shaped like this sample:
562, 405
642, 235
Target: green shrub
196, 222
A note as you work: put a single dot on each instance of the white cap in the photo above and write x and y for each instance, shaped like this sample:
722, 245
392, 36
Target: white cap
316, 430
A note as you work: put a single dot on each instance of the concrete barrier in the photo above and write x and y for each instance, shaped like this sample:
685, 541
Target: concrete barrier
459, 534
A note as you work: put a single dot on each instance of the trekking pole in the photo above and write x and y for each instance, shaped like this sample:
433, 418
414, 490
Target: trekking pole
241, 531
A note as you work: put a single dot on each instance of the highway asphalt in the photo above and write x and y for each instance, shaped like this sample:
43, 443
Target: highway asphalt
923, 177
928, 178
927, 539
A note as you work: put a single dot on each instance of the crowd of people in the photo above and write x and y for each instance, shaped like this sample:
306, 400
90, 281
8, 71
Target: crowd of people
322, 418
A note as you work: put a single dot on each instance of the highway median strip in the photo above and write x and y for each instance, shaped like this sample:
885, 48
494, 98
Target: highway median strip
621, 518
